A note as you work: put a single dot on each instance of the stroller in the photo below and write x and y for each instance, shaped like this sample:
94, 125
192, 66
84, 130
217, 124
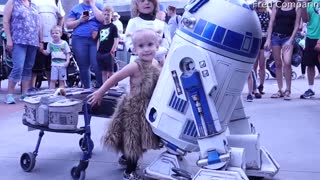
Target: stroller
296, 59
5, 59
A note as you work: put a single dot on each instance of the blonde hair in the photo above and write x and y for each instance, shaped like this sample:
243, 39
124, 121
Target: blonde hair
144, 33
56, 27
134, 8
108, 9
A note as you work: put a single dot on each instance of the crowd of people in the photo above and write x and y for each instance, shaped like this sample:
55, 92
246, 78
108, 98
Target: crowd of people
31, 26
280, 25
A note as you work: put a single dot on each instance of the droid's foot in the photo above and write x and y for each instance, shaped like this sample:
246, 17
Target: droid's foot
161, 168
269, 166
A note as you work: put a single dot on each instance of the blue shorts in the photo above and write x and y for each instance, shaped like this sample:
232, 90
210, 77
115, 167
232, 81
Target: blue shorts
279, 39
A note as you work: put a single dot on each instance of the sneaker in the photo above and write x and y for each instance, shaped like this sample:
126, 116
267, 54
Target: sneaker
257, 95
10, 99
249, 98
260, 89
132, 176
308, 94
22, 97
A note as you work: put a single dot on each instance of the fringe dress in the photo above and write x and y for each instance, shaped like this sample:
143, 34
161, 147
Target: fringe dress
129, 131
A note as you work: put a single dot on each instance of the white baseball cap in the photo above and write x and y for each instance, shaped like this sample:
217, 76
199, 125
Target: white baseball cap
116, 14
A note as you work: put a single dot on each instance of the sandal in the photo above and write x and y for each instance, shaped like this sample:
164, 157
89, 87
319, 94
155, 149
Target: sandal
287, 95
279, 94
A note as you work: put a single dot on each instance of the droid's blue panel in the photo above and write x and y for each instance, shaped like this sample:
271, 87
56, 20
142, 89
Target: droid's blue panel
219, 34
178, 103
208, 32
220, 37
190, 129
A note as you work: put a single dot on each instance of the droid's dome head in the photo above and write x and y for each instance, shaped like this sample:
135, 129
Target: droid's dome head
227, 27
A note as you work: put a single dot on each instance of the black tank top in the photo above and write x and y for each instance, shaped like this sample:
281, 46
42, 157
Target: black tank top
284, 21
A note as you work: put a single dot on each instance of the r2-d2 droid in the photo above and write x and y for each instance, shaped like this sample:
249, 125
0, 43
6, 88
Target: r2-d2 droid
196, 105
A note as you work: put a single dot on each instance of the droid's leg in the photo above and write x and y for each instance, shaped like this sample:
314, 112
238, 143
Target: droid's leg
259, 161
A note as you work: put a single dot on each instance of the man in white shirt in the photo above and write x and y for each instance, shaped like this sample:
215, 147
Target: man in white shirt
118, 23
51, 13
174, 20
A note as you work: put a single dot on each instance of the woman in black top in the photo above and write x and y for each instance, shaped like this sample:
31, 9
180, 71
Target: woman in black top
283, 25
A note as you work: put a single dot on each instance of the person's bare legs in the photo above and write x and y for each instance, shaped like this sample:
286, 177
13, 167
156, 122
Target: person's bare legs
276, 51
25, 85
250, 87
11, 86
311, 73
262, 67
61, 84
287, 58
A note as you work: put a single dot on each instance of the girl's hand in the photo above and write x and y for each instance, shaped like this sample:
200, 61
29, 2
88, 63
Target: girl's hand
267, 44
95, 98
9, 45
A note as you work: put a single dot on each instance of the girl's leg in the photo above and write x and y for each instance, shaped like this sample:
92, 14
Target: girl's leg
80, 49
276, 51
131, 166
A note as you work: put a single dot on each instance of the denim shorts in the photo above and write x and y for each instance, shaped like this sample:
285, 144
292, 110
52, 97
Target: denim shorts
279, 39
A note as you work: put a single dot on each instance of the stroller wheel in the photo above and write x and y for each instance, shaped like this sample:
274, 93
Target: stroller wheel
267, 76
294, 75
83, 144
27, 161
77, 175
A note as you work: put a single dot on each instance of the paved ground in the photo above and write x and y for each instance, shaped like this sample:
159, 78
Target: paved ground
289, 130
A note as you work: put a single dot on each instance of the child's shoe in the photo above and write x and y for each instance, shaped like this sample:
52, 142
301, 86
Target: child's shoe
122, 162
249, 98
132, 176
